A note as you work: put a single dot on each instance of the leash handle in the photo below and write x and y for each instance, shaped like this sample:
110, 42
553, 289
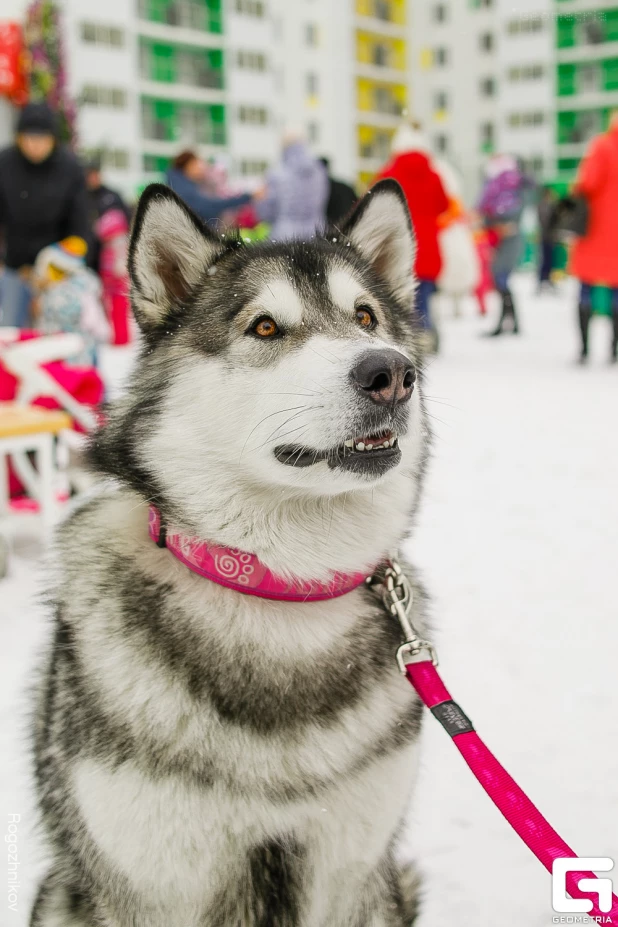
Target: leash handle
523, 816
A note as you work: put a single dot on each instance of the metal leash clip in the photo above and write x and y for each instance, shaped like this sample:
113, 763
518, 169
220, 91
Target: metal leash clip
397, 598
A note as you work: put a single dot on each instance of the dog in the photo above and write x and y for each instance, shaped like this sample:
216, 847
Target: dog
207, 757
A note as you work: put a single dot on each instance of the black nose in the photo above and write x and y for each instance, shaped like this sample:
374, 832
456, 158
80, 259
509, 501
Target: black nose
386, 376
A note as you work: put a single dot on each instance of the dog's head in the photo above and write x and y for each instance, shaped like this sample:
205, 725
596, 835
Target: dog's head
279, 368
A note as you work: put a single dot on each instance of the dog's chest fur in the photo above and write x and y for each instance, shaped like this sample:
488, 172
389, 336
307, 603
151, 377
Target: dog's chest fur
205, 738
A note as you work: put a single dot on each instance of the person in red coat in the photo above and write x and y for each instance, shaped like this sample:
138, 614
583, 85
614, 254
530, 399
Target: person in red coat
594, 259
410, 165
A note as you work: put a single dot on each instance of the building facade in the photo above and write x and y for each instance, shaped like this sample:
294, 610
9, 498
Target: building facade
227, 77
586, 54
535, 78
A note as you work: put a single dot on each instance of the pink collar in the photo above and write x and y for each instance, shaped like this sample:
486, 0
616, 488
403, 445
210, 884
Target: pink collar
243, 572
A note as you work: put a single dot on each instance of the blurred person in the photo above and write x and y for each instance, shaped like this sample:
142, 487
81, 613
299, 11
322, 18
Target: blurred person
101, 199
42, 200
112, 231
68, 296
485, 240
186, 177
341, 196
594, 257
412, 167
501, 205
296, 192
546, 214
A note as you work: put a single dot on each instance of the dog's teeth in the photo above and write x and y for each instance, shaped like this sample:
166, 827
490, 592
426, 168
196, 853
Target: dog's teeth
348, 443
386, 444
392, 442
369, 447
360, 446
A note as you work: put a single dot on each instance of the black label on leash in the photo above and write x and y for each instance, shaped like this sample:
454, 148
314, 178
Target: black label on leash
452, 718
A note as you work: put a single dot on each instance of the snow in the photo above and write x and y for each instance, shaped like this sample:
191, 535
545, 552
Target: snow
517, 539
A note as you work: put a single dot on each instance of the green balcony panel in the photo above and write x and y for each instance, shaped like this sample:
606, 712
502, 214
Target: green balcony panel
610, 73
610, 18
566, 79
565, 31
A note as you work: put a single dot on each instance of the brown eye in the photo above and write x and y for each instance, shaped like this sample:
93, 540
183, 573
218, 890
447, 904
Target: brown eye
266, 328
365, 317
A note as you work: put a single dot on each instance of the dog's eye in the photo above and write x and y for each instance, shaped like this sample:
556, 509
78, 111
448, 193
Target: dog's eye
265, 328
365, 317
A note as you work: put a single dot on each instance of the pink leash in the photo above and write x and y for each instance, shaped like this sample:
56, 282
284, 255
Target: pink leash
244, 572
524, 817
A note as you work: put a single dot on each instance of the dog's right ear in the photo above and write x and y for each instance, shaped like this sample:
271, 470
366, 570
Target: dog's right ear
169, 252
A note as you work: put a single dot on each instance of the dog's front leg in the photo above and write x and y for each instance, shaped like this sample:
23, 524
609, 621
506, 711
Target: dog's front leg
395, 897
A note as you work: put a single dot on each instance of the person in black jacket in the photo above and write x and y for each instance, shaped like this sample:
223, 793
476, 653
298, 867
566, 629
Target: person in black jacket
341, 197
43, 199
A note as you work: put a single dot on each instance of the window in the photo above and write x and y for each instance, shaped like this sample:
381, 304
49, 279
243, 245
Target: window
251, 61
114, 97
110, 158
313, 133
533, 165
533, 118
440, 100
380, 55
487, 136
253, 167
311, 35
312, 84
526, 72
250, 8
382, 10
488, 87
155, 164
486, 41
385, 101
102, 35
440, 57
440, 13
525, 26
253, 115
441, 144
588, 78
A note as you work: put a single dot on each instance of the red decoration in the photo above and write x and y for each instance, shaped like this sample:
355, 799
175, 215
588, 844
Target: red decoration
13, 70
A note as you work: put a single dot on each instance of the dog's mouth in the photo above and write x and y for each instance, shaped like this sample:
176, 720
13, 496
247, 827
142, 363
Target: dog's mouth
369, 455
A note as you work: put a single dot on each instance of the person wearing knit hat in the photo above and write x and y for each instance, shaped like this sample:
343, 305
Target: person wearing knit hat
42, 200
68, 296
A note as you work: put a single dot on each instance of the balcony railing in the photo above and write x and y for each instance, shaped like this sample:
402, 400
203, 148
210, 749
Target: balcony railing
173, 64
183, 124
185, 14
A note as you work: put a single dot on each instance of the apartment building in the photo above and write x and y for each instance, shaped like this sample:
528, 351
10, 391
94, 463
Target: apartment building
381, 79
586, 56
536, 78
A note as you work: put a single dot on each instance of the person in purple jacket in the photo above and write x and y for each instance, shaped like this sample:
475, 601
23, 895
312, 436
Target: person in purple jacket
296, 192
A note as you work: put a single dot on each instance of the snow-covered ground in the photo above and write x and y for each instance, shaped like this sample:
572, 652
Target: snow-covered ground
518, 540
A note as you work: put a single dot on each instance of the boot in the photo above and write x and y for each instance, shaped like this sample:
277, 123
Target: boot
585, 312
508, 312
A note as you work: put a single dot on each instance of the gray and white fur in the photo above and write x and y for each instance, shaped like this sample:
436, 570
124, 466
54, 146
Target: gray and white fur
206, 758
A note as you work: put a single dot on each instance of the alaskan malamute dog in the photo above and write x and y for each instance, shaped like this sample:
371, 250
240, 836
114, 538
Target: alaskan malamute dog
206, 757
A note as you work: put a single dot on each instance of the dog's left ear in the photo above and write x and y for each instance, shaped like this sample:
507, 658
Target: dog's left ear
169, 252
380, 228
